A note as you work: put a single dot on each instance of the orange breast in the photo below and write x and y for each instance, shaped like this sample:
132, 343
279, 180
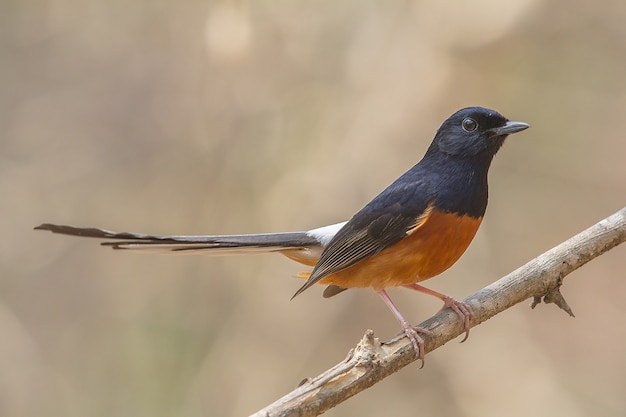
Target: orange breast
428, 251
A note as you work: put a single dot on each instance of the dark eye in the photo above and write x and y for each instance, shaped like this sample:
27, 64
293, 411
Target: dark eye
469, 124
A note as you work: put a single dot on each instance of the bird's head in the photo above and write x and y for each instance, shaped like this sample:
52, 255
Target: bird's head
474, 131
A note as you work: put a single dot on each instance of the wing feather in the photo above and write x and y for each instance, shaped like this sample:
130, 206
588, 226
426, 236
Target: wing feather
386, 220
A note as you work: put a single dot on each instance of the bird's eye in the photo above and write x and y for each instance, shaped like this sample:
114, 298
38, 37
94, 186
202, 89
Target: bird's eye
469, 124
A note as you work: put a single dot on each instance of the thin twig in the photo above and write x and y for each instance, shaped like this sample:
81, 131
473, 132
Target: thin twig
371, 360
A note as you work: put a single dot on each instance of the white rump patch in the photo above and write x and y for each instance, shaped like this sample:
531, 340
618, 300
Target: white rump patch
326, 233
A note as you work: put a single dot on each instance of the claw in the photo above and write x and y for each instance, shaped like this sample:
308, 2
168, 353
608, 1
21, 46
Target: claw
412, 332
463, 310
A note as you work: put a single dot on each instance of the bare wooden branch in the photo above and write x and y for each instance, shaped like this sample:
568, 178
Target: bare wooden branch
371, 360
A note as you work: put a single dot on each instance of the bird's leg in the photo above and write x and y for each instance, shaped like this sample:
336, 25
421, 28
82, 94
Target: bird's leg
463, 310
411, 332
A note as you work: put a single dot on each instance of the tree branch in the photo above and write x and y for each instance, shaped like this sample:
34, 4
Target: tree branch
371, 360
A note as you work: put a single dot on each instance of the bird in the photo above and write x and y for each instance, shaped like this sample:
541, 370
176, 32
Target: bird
415, 229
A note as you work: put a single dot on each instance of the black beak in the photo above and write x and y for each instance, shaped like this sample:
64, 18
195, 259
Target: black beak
509, 127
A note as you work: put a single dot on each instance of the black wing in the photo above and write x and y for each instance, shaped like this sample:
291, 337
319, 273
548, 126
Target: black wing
391, 216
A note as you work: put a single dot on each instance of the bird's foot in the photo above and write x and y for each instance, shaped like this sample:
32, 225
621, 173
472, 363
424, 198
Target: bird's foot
413, 333
463, 310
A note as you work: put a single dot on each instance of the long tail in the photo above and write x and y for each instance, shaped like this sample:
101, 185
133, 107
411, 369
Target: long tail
304, 247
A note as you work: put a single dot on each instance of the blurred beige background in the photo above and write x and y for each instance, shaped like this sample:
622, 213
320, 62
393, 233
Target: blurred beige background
232, 117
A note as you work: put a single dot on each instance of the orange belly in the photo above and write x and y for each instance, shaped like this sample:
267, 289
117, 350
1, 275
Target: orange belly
431, 249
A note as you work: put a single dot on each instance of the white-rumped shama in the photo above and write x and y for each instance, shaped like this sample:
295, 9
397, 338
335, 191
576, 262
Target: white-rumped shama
414, 230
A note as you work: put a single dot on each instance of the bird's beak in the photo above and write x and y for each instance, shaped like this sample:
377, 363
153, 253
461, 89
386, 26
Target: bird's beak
509, 127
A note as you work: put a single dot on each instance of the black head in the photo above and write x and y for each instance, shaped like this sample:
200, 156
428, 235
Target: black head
472, 132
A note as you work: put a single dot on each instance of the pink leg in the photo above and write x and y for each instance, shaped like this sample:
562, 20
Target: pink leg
410, 331
463, 310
